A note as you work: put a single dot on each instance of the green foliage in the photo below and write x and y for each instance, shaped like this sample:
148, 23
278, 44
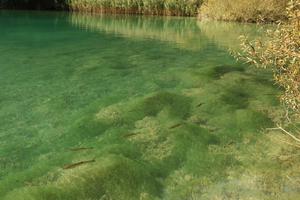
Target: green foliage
243, 10
281, 53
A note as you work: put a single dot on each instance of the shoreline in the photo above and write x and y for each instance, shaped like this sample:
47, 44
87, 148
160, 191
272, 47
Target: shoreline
133, 12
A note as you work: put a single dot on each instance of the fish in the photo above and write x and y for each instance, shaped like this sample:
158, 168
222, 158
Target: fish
73, 165
81, 148
175, 126
130, 134
200, 104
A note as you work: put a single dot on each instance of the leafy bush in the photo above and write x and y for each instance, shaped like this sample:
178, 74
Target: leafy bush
243, 10
281, 53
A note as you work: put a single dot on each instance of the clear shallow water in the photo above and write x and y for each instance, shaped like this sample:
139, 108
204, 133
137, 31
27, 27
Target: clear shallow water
154, 100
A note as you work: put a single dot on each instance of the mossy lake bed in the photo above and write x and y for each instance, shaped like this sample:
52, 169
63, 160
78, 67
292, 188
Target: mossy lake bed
130, 107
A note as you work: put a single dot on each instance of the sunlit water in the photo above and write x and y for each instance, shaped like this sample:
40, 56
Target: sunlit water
151, 101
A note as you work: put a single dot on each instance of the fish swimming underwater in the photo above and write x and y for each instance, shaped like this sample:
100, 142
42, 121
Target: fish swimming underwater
71, 166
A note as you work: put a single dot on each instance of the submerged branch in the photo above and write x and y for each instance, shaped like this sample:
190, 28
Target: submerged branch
285, 131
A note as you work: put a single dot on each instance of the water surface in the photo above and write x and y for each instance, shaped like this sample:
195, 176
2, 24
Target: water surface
156, 102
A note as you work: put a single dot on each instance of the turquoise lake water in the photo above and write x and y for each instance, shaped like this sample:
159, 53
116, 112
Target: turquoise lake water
126, 107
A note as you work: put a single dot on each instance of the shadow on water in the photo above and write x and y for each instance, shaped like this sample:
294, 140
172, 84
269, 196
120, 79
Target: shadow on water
136, 107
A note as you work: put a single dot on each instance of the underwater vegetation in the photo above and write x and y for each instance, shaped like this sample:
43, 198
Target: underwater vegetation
155, 119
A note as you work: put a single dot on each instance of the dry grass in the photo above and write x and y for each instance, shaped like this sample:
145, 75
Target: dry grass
243, 10
158, 7
281, 53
